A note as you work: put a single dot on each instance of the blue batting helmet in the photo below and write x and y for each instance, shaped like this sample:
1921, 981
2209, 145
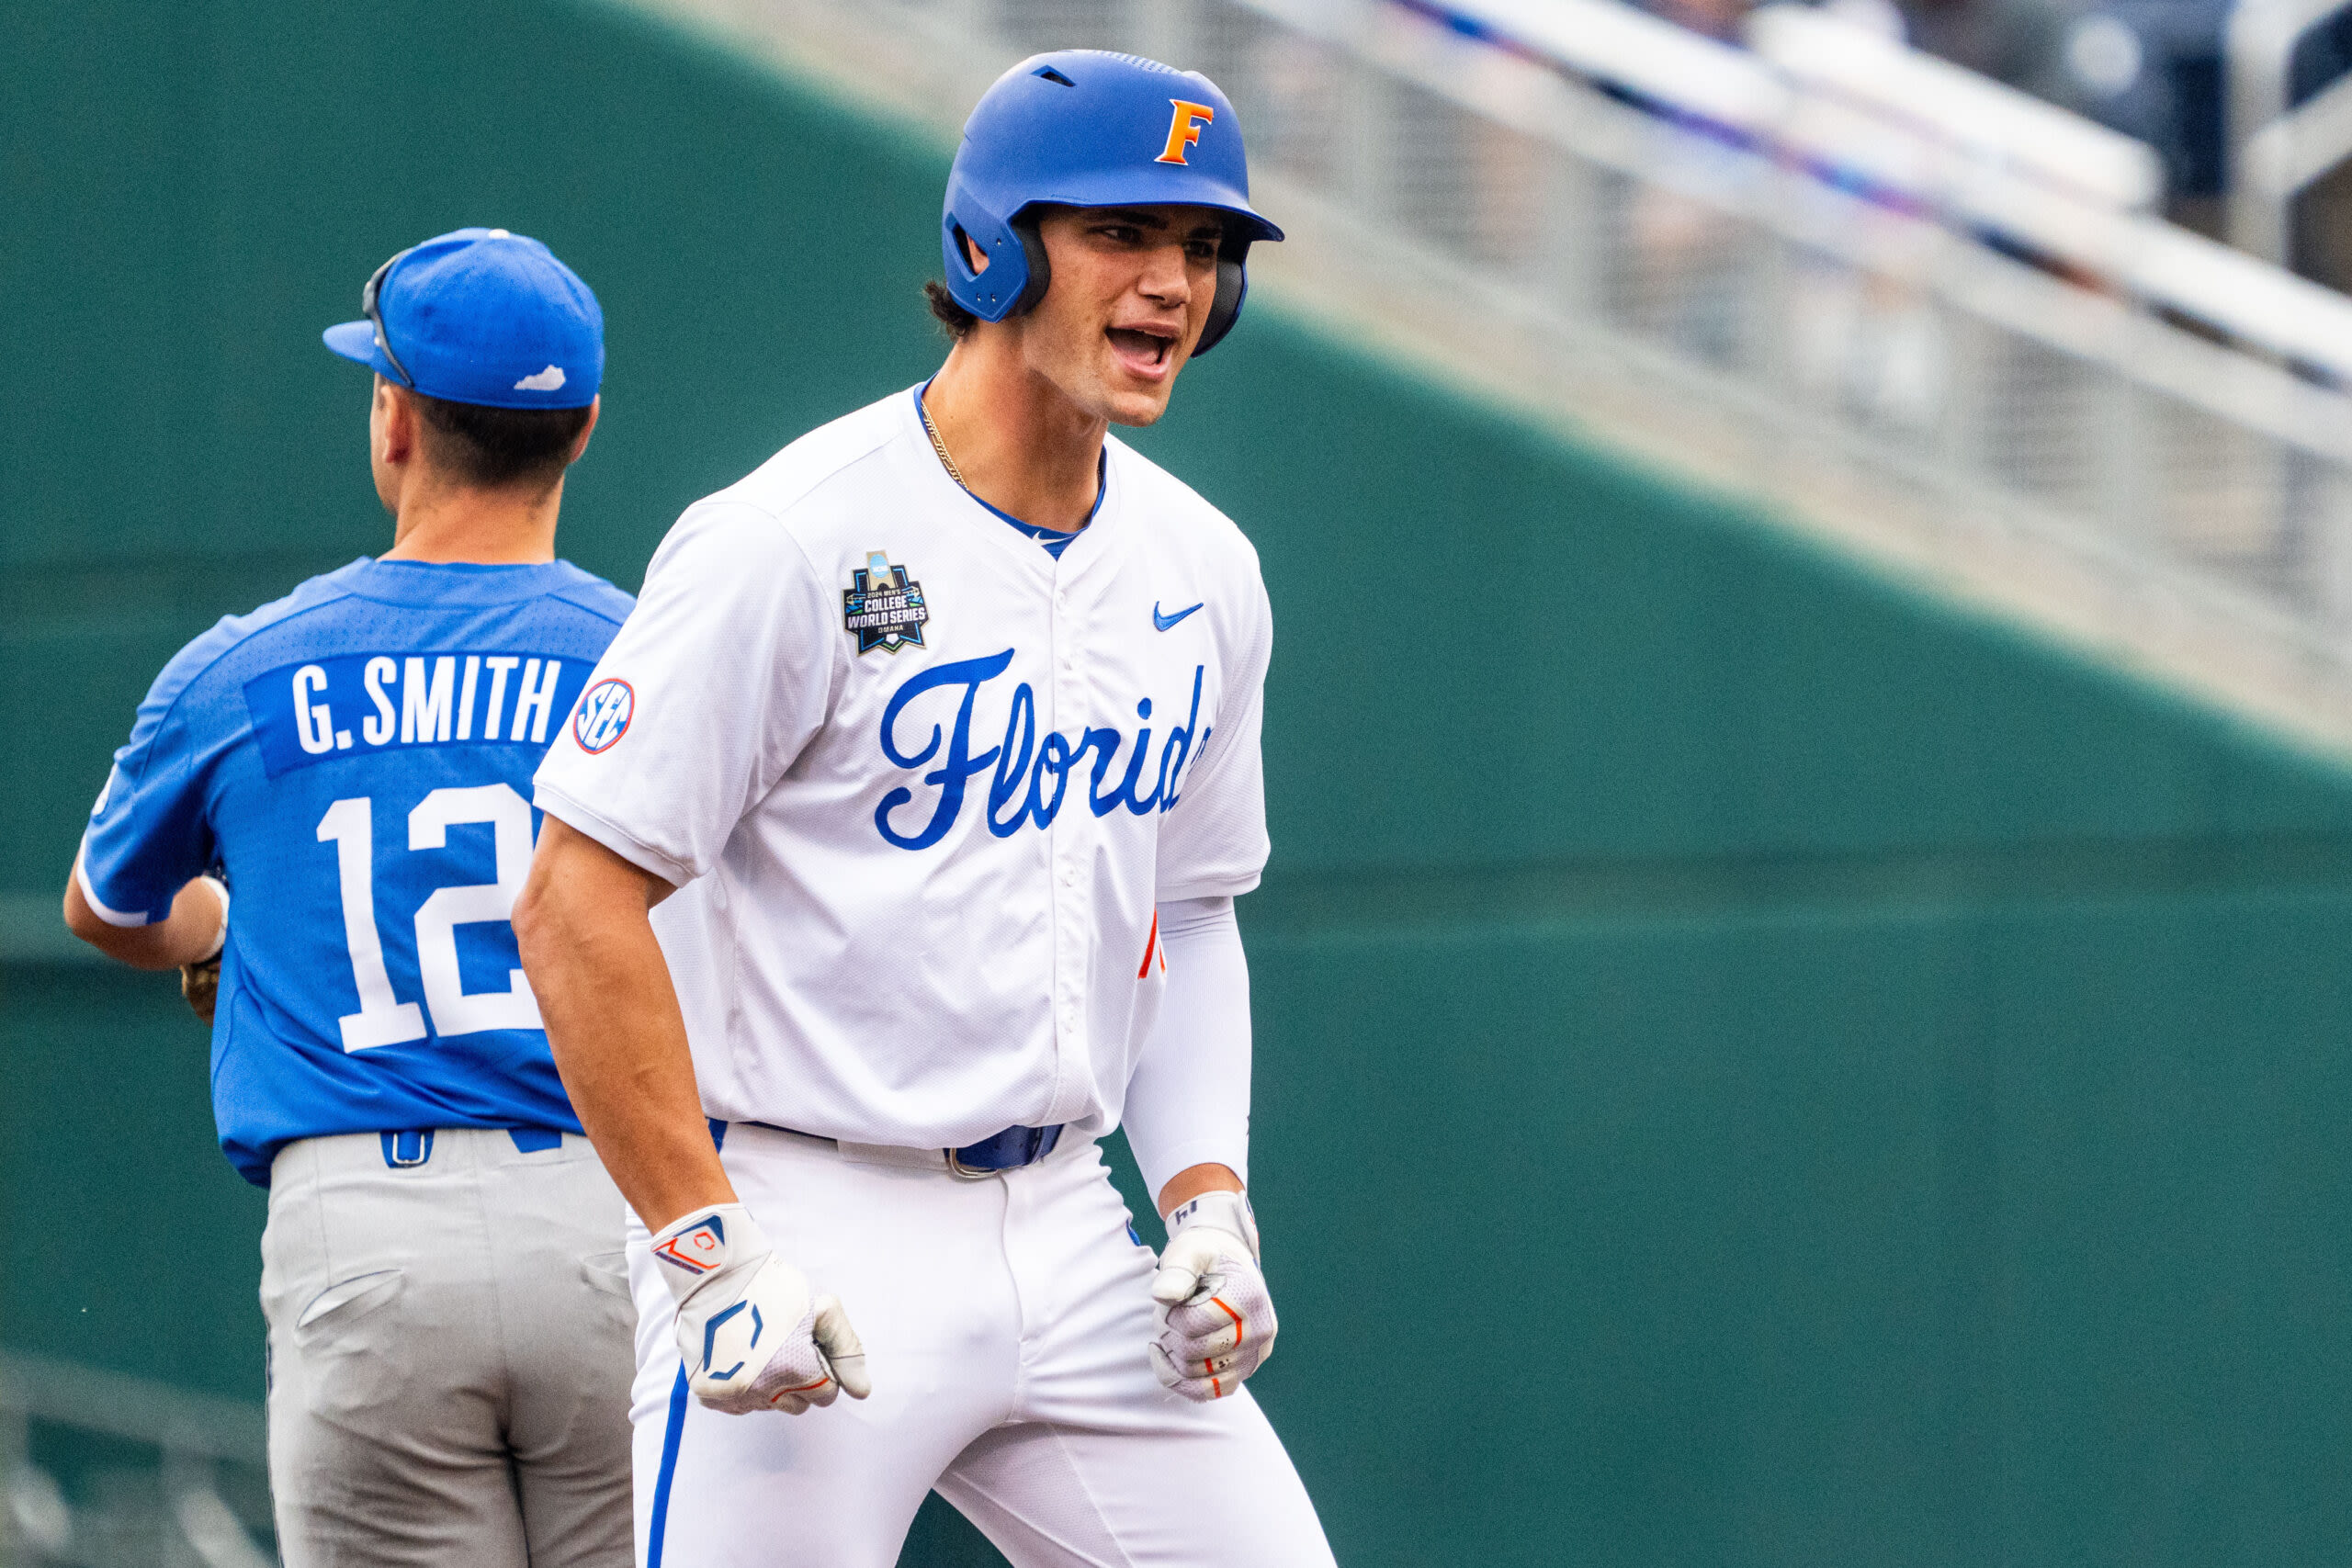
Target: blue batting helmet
1082, 128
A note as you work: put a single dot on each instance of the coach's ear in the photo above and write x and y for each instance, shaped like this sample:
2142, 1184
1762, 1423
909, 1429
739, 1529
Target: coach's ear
393, 425
580, 446
391, 442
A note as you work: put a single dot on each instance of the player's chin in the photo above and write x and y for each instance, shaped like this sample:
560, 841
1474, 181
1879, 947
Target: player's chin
1137, 406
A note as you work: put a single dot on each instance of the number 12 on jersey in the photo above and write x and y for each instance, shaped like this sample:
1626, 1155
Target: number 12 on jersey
382, 1020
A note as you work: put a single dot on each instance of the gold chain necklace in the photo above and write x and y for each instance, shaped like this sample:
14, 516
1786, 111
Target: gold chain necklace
949, 463
941, 447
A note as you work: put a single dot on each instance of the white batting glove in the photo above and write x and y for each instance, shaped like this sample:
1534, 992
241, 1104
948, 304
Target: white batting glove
750, 1336
1217, 1321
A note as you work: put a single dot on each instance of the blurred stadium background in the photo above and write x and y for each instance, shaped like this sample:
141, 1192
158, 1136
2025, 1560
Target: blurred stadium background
1809, 743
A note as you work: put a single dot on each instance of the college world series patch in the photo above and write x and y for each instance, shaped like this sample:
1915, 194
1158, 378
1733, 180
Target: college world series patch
886, 609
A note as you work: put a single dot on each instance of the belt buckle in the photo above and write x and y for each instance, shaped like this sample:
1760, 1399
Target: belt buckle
962, 1173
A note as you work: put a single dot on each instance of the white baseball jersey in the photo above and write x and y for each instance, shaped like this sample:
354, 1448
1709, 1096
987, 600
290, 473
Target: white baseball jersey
924, 783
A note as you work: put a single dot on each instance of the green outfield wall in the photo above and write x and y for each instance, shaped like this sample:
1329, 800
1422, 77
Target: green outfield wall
1755, 1066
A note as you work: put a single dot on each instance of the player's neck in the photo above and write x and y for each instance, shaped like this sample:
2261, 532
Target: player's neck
441, 523
1020, 442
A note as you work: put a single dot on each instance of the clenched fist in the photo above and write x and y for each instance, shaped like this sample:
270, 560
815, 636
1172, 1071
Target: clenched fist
1217, 1321
750, 1334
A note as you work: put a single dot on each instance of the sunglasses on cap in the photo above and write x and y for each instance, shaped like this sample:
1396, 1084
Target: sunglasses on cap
368, 308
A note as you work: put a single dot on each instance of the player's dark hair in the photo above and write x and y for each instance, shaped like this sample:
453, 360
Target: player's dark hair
493, 449
957, 320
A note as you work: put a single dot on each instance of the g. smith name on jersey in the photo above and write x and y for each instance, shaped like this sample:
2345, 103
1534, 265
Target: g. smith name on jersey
309, 713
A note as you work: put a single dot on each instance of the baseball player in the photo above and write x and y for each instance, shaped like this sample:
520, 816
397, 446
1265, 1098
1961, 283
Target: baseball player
940, 735
442, 1272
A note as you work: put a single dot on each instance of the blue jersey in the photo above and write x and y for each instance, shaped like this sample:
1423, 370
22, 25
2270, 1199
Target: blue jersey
356, 760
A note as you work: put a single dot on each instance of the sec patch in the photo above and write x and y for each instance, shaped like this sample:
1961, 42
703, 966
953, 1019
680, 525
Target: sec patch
603, 715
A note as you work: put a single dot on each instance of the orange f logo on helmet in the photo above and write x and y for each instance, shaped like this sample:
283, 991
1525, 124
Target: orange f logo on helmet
1184, 128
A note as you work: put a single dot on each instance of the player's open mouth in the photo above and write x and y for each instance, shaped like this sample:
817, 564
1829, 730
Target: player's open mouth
1142, 351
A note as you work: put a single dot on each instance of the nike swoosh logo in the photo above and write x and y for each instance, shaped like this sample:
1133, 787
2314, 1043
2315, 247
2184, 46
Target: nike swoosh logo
1164, 621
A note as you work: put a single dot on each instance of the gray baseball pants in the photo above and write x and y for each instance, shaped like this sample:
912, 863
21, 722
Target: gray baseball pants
450, 1352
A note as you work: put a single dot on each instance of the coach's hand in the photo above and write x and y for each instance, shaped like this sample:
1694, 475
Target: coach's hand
750, 1336
1216, 1322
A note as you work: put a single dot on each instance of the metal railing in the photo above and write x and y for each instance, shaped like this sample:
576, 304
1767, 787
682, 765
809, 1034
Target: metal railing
115, 1472
1995, 343
2277, 151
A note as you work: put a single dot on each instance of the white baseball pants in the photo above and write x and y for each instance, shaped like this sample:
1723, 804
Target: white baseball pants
1005, 1322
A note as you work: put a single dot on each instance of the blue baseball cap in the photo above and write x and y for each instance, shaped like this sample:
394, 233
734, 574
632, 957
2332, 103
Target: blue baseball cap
481, 316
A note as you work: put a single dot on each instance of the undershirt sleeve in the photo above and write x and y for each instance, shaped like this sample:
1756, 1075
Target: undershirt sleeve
1188, 1102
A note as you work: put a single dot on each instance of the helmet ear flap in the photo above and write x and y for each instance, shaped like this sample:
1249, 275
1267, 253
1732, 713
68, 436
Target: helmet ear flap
955, 252
1041, 273
982, 293
1232, 288
1010, 256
